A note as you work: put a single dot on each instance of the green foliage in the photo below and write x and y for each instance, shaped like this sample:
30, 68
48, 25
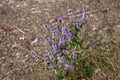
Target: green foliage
62, 75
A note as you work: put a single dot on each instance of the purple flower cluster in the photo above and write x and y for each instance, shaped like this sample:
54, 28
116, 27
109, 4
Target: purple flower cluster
63, 30
68, 67
108, 28
60, 58
77, 25
62, 41
67, 35
59, 28
58, 55
47, 27
49, 52
74, 55
65, 52
59, 19
53, 33
52, 64
84, 16
70, 13
54, 46
46, 39
46, 59
35, 55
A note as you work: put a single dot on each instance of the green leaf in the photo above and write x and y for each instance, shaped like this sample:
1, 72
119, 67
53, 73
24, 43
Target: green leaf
87, 72
81, 44
62, 75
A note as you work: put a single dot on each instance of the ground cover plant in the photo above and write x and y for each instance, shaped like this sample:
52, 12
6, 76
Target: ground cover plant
23, 50
73, 53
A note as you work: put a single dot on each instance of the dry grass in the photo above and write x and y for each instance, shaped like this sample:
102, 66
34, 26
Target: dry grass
21, 28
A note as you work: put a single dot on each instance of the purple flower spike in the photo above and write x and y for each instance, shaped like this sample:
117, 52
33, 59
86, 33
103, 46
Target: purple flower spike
35, 55
74, 55
70, 13
65, 52
47, 40
46, 59
56, 48
62, 41
47, 27
108, 28
52, 64
68, 34
59, 28
53, 33
59, 19
63, 31
60, 58
60, 55
77, 25
84, 16
49, 52
43, 36
69, 67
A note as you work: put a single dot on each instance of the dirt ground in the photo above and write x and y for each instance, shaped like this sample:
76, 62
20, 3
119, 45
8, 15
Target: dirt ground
21, 26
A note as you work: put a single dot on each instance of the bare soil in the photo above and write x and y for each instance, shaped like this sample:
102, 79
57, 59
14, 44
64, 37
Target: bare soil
21, 26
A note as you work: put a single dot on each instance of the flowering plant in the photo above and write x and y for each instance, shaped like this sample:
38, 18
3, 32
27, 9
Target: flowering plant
69, 55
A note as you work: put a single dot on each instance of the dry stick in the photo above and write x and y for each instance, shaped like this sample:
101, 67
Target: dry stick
2, 58
20, 30
23, 48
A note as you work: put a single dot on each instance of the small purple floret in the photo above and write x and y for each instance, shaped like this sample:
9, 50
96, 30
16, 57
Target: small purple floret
70, 13
74, 55
84, 16
68, 34
65, 52
35, 55
46, 59
46, 39
69, 67
53, 33
63, 31
56, 48
52, 64
77, 25
49, 52
108, 28
62, 41
59, 28
47, 27
59, 19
